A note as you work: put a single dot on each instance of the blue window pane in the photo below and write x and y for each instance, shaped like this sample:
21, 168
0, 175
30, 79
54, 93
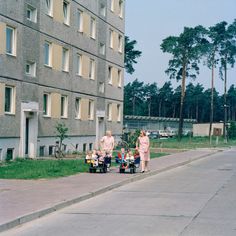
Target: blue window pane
46, 54
9, 40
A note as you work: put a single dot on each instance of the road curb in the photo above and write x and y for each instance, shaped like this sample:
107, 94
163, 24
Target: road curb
38, 214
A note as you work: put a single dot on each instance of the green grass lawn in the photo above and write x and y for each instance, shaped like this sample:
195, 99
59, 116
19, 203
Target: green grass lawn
190, 143
46, 169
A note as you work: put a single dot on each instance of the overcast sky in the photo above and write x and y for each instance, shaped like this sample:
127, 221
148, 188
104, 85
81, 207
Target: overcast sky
150, 21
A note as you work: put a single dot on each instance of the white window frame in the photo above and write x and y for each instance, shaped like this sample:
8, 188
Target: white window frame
110, 75
33, 13
119, 78
13, 42
102, 9
120, 41
91, 110
32, 68
112, 5
64, 112
80, 23
48, 110
49, 54
91, 69
92, 27
49, 7
121, 8
101, 87
12, 100
66, 14
102, 48
109, 111
65, 59
79, 65
118, 112
111, 38
78, 108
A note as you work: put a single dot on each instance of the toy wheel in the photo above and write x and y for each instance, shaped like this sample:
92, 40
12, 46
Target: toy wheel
134, 169
131, 170
105, 169
90, 170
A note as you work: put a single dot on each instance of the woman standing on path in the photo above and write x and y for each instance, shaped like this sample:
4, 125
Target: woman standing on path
108, 142
142, 145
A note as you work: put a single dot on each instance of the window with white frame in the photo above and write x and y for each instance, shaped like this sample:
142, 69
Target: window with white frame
102, 49
119, 78
10, 40
120, 43
109, 111
109, 74
92, 28
66, 12
64, 106
9, 100
102, 10
91, 69
118, 112
65, 59
111, 39
78, 108
48, 6
48, 54
112, 5
101, 87
46, 104
91, 110
31, 13
79, 65
121, 8
30, 68
80, 20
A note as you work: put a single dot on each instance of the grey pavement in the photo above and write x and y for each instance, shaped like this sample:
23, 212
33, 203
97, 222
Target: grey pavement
25, 200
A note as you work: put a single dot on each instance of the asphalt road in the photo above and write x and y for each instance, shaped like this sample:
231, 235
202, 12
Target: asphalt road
196, 199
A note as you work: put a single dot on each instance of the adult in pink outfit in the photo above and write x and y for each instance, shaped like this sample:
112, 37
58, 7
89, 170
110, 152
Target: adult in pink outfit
142, 145
108, 142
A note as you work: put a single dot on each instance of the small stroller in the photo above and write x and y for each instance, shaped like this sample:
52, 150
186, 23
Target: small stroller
130, 164
98, 164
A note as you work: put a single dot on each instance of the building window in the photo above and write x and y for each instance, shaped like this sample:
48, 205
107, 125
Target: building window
9, 100
112, 5
91, 110
41, 151
65, 59
80, 20
102, 48
31, 13
92, 28
120, 41
101, 88
91, 69
102, 10
90, 147
66, 12
48, 54
118, 112
10, 40
79, 65
78, 108
109, 75
111, 40
109, 112
119, 78
50, 150
84, 147
48, 4
30, 68
46, 104
121, 7
1, 159
64, 106
10, 153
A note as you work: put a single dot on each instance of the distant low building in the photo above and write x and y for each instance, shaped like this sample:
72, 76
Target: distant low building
201, 130
156, 123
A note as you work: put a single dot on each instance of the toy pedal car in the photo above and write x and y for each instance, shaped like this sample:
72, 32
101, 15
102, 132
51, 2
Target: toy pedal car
101, 165
131, 165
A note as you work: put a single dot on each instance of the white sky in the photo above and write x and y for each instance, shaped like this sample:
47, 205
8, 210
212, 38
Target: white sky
150, 21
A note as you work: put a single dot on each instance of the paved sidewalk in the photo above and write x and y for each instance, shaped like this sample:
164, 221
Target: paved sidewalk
25, 200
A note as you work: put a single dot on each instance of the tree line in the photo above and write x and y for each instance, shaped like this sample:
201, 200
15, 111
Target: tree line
215, 47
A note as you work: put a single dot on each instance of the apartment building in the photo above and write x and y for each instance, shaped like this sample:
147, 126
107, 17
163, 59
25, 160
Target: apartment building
61, 61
